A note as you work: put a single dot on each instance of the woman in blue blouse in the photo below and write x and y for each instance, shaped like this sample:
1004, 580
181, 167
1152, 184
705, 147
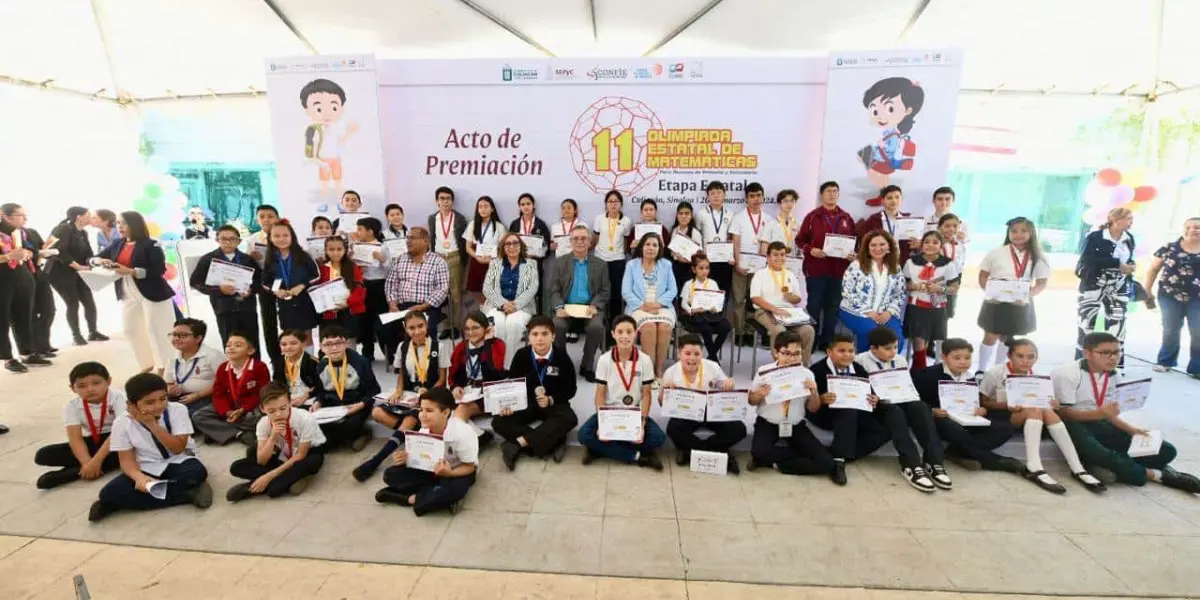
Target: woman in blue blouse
649, 291
510, 290
874, 289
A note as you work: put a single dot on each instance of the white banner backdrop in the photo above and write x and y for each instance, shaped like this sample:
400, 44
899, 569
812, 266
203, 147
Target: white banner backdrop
889, 119
326, 132
657, 129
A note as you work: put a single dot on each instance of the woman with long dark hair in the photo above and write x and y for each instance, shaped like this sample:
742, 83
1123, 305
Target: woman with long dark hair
43, 297
147, 299
288, 272
74, 252
16, 298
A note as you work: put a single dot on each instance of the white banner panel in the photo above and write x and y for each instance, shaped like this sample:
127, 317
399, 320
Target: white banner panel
889, 119
326, 131
657, 129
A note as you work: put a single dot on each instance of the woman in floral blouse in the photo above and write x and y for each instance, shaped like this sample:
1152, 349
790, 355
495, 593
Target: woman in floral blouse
1178, 295
874, 289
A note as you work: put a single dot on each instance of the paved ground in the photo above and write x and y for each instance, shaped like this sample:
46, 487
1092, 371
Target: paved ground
994, 533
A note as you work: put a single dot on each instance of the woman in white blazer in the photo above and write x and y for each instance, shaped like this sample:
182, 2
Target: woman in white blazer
510, 291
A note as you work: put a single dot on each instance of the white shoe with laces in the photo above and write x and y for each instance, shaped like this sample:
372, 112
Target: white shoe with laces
918, 478
940, 477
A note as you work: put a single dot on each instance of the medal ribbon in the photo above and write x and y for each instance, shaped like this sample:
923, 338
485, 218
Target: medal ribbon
540, 370
753, 225
1099, 391
339, 383
612, 233
1019, 266
446, 226
696, 383
527, 230
421, 370
633, 357
780, 281
565, 229
87, 412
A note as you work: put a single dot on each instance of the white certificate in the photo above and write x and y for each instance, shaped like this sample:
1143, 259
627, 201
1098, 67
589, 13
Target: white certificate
316, 245
851, 392
388, 317
1034, 391
407, 399
535, 245
329, 414
708, 300
222, 272
396, 246
839, 246
796, 266
98, 278
961, 400
719, 252
506, 393
619, 424
909, 228
364, 254
1008, 291
713, 463
1146, 445
471, 393
683, 245
727, 406
424, 450
787, 383
894, 386
326, 296
796, 316
683, 403
562, 245
485, 250
348, 222
577, 311
642, 229
1132, 395
751, 262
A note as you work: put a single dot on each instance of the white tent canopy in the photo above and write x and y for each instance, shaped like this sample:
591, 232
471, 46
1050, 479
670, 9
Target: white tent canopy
158, 49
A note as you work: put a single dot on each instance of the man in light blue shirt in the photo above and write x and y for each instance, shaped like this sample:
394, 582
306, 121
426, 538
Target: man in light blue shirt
579, 279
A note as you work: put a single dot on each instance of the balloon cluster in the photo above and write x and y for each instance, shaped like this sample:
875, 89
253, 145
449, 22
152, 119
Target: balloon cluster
163, 207
1113, 189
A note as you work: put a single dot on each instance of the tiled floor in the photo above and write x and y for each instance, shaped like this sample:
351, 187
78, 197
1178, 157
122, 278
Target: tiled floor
994, 533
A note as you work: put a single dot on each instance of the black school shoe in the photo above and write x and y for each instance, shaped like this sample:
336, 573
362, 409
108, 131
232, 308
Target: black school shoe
389, 496
238, 493
1051, 486
1180, 481
588, 456
14, 366
201, 496
650, 460
1091, 483
79, 341
510, 451
733, 465
53, 479
682, 456
96, 336
838, 474
37, 360
100, 510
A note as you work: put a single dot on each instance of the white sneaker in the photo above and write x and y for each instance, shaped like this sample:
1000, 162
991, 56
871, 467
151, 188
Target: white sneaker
918, 478
940, 478
1160, 368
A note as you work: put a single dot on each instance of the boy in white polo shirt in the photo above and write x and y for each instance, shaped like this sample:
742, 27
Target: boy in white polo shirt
693, 372
88, 417
774, 289
748, 230
801, 453
191, 374
289, 450
154, 441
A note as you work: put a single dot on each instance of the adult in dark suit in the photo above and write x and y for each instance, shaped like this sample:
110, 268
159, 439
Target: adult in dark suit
62, 271
43, 297
568, 287
235, 311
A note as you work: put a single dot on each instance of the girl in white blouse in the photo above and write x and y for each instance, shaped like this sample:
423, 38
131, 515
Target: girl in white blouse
711, 324
485, 229
685, 225
608, 239
1019, 258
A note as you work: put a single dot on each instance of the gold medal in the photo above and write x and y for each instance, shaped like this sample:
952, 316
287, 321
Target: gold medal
786, 289
446, 244
612, 248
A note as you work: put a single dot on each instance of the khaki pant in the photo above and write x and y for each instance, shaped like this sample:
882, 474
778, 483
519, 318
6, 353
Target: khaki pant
741, 290
458, 283
806, 332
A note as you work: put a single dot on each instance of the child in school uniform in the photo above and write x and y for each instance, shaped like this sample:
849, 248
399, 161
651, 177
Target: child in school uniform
478, 358
550, 383
288, 272
856, 433
85, 454
370, 230
943, 201
931, 278
1019, 258
801, 453
711, 324
608, 240
153, 440
299, 372
234, 409
453, 476
953, 249
346, 380
191, 374
924, 472
775, 289
615, 388
322, 229
339, 265
693, 372
288, 453
420, 362
970, 447
1022, 355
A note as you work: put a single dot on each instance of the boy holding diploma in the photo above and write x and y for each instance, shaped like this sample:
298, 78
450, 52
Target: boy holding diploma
451, 477
774, 290
550, 382
1087, 392
802, 453
694, 373
856, 433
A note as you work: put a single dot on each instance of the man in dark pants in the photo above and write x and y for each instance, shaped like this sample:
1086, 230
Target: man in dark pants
256, 247
235, 310
16, 302
550, 384
823, 274
581, 279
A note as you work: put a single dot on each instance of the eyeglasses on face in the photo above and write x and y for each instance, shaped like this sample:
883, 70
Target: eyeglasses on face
333, 343
788, 353
512, 243
1107, 353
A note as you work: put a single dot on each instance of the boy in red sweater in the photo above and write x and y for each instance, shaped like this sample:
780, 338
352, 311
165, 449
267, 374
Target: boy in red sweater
235, 395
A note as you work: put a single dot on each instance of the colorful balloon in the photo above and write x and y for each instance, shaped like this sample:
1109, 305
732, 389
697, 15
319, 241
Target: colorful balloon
152, 190
1109, 177
1144, 193
169, 184
145, 205
172, 273
154, 229
1121, 194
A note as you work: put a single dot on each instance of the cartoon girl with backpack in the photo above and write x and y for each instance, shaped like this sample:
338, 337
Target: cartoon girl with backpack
892, 105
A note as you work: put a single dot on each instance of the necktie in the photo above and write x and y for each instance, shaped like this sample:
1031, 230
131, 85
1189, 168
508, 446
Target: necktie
542, 362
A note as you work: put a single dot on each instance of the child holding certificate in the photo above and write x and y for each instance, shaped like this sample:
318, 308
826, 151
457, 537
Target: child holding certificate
452, 476
773, 291
709, 322
954, 249
648, 224
856, 433
370, 230
476, 359
89, 418
970, 447
1022, 354
932, 279
299, 372
623, 382
1020, 259
906, 419
549, 374
801, 453
347, 382
288, 453
288, 271
339, 265
685, 225
694, 373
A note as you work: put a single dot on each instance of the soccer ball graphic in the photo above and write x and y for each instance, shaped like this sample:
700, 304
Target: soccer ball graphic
608, 145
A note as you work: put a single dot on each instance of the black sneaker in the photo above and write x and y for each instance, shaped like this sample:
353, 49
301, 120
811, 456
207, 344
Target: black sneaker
838, 475
486, 438
238, 493
79, 341
96, 336
750, 464
682, 456
14, 366
588, 456
201, 495
650, 460
248, 439
918, 478
1090, 482
390, 496
37, 360
940, 477
1044, 481
732, 466
559, 453
509, 451
1180, 481
99, 510
53, 479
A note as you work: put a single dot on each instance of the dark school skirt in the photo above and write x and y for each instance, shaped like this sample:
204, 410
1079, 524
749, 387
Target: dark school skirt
1007, 319
929, 324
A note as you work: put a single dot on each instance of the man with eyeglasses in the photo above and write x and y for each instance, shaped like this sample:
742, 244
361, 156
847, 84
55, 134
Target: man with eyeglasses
419, 281
235, 310
579, 281
1091, 410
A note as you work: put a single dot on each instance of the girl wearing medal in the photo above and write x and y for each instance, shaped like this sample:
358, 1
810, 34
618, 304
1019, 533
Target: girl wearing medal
1020, 258
568, 219
649, 292
288, 452
287, 272
299, 372
479, 357
485, 228
954, 249
609, 231
685, 225
932, 278
528, 223
649, 212
88, 417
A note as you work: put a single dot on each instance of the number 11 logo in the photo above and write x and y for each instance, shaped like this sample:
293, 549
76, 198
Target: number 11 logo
603, 142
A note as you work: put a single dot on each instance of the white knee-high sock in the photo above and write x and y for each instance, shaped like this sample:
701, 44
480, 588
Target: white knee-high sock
1058, 433
986, 353
1033, 436
1001, 354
